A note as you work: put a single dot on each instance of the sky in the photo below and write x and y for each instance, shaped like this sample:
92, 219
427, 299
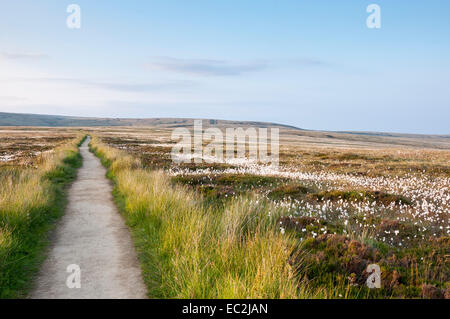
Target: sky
311, 64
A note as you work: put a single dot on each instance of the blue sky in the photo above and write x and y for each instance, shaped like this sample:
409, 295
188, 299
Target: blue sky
312, 64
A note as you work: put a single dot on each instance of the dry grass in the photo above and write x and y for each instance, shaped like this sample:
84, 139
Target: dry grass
188, 250
30, 201
387, 193
28, 147
338, 202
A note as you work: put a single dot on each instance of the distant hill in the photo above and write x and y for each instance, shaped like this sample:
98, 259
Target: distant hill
376, 138
20, 119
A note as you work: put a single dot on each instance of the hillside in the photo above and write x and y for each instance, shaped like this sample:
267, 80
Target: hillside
322, 137
20, 119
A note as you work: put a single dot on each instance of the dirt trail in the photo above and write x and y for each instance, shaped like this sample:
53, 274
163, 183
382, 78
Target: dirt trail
93, 236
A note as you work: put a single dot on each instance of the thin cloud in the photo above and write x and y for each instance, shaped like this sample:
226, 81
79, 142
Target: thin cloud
205, 67
137, 87
120, 86
11, 98
208, 67
308, 62
23, 55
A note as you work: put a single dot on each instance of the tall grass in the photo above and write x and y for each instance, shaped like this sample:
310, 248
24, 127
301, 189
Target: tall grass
31, 199
191, 250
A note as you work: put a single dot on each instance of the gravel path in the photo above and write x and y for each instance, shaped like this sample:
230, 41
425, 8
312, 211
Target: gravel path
92, 235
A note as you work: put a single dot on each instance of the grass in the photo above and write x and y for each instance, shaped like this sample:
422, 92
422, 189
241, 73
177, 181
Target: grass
31, 200
361, 195
189, 250
289, 191
357, 207
27, 148
226, 231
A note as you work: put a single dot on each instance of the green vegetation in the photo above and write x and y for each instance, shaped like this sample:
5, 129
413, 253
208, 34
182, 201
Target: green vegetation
362, 207
361, 195
188, 250
31, 200
338, 264
219, 230
219, 189
291, 191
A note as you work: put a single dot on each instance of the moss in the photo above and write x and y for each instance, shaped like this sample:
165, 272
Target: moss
361, 195
337, 261
294, 191
247, 180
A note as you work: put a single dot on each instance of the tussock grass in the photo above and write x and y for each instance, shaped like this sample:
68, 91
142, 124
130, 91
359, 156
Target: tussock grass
191, 250
31, 199
385, 195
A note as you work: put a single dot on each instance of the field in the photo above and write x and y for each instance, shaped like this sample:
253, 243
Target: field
27, 147
338, 203
35, 167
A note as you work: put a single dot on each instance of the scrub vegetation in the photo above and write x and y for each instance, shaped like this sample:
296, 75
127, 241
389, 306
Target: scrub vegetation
32, 197
338, 203
308, 229
189, 250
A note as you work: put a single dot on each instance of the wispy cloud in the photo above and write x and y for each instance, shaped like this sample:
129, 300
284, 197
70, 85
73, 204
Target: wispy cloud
11, 98
308, 62
137, 87
210, 67
118, 86
22, 55
205, 66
